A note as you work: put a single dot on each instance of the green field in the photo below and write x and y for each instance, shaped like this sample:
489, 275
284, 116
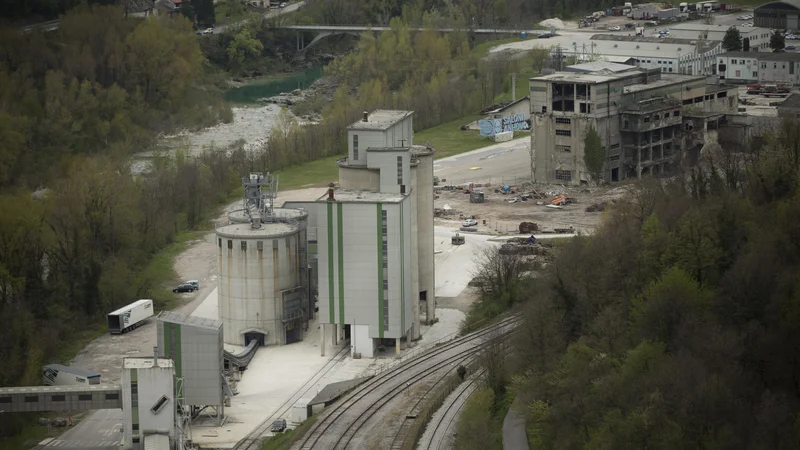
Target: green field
448, 139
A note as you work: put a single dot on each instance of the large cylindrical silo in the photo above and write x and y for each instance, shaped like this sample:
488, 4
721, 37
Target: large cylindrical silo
425, 238
259, 277
299, 217
415, 332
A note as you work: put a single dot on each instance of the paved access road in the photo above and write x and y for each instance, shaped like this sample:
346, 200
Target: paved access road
495, 163
100, 430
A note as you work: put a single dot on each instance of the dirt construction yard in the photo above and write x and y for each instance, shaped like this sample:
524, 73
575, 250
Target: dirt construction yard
508, 163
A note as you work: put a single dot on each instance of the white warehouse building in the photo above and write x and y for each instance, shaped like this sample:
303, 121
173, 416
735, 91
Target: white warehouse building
759, 37
371, 239
671, 55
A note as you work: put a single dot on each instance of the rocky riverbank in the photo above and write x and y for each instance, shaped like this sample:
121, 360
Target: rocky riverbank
319, 93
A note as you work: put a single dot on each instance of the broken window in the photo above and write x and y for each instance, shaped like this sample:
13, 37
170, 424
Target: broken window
564, 148
563, 175
582, 91
563, 132
563, 120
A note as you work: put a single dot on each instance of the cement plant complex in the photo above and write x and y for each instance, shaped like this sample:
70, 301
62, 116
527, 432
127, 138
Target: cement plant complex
354, 268
330, 307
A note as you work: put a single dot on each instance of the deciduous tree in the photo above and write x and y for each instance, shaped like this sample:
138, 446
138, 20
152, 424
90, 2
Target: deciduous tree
594, 156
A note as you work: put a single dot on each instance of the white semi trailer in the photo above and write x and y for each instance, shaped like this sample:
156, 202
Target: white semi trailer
58, 375
129, 317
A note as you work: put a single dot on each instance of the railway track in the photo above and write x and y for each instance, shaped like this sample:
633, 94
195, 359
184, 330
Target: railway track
442, 424
253, 439
403, 432
336, 428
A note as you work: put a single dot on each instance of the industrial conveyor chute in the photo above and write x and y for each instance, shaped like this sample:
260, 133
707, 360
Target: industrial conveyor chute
243, 358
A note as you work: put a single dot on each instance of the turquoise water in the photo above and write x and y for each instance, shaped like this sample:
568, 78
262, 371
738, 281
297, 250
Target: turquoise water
251, 92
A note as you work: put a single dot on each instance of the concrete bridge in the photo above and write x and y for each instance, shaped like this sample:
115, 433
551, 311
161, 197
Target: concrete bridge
324, 31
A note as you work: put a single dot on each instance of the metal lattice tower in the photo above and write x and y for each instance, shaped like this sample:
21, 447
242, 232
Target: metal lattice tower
183, 419
260, 191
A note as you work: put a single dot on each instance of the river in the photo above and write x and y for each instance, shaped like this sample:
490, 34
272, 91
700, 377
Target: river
249, 93
252, 120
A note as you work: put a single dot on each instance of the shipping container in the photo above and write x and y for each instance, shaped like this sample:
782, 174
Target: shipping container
129, 317
58, 375
668, 13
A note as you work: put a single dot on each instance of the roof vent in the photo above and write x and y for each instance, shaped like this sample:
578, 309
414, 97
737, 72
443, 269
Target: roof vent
637, 47
366, 117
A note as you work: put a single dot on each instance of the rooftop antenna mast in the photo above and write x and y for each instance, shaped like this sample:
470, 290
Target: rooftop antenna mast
260, 191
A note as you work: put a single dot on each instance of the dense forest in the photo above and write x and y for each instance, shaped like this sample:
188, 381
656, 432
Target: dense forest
74, 104
435, 75
468, 12
676, 325
34, 11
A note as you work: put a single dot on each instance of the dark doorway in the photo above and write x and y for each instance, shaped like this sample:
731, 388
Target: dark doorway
294, 335
615, 174
347, 331
254, 336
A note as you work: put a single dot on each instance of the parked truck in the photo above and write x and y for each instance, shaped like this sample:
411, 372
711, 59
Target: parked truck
130, 317
58, 375
670, 13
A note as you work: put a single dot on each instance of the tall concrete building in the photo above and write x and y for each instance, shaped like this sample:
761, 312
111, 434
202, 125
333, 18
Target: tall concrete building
638, 113
371, 239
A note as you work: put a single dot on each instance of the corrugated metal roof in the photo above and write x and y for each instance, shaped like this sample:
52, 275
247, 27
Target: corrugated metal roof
156, 442
771, 5
599, 65
792, 101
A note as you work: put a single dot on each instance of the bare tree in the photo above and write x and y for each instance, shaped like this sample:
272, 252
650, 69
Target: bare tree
498, 274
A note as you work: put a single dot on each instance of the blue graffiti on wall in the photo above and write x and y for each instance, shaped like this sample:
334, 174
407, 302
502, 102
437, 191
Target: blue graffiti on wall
490, 127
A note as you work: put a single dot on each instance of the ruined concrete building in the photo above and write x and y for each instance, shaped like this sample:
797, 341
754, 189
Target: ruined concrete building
641, 115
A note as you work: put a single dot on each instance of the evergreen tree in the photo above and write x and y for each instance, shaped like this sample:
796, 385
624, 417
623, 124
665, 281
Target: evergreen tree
777, 42
732, 41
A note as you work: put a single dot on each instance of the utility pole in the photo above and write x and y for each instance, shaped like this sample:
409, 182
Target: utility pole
513, 87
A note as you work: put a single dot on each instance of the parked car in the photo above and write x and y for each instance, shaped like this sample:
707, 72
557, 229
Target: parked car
791, 37
469, 223
617, 28
208, 31
789, 47
282, 5
184, 288
278, 426
194, 283
545, 35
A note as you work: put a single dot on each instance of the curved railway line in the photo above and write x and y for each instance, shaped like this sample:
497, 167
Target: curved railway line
440, 427
253, 439
337, 427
